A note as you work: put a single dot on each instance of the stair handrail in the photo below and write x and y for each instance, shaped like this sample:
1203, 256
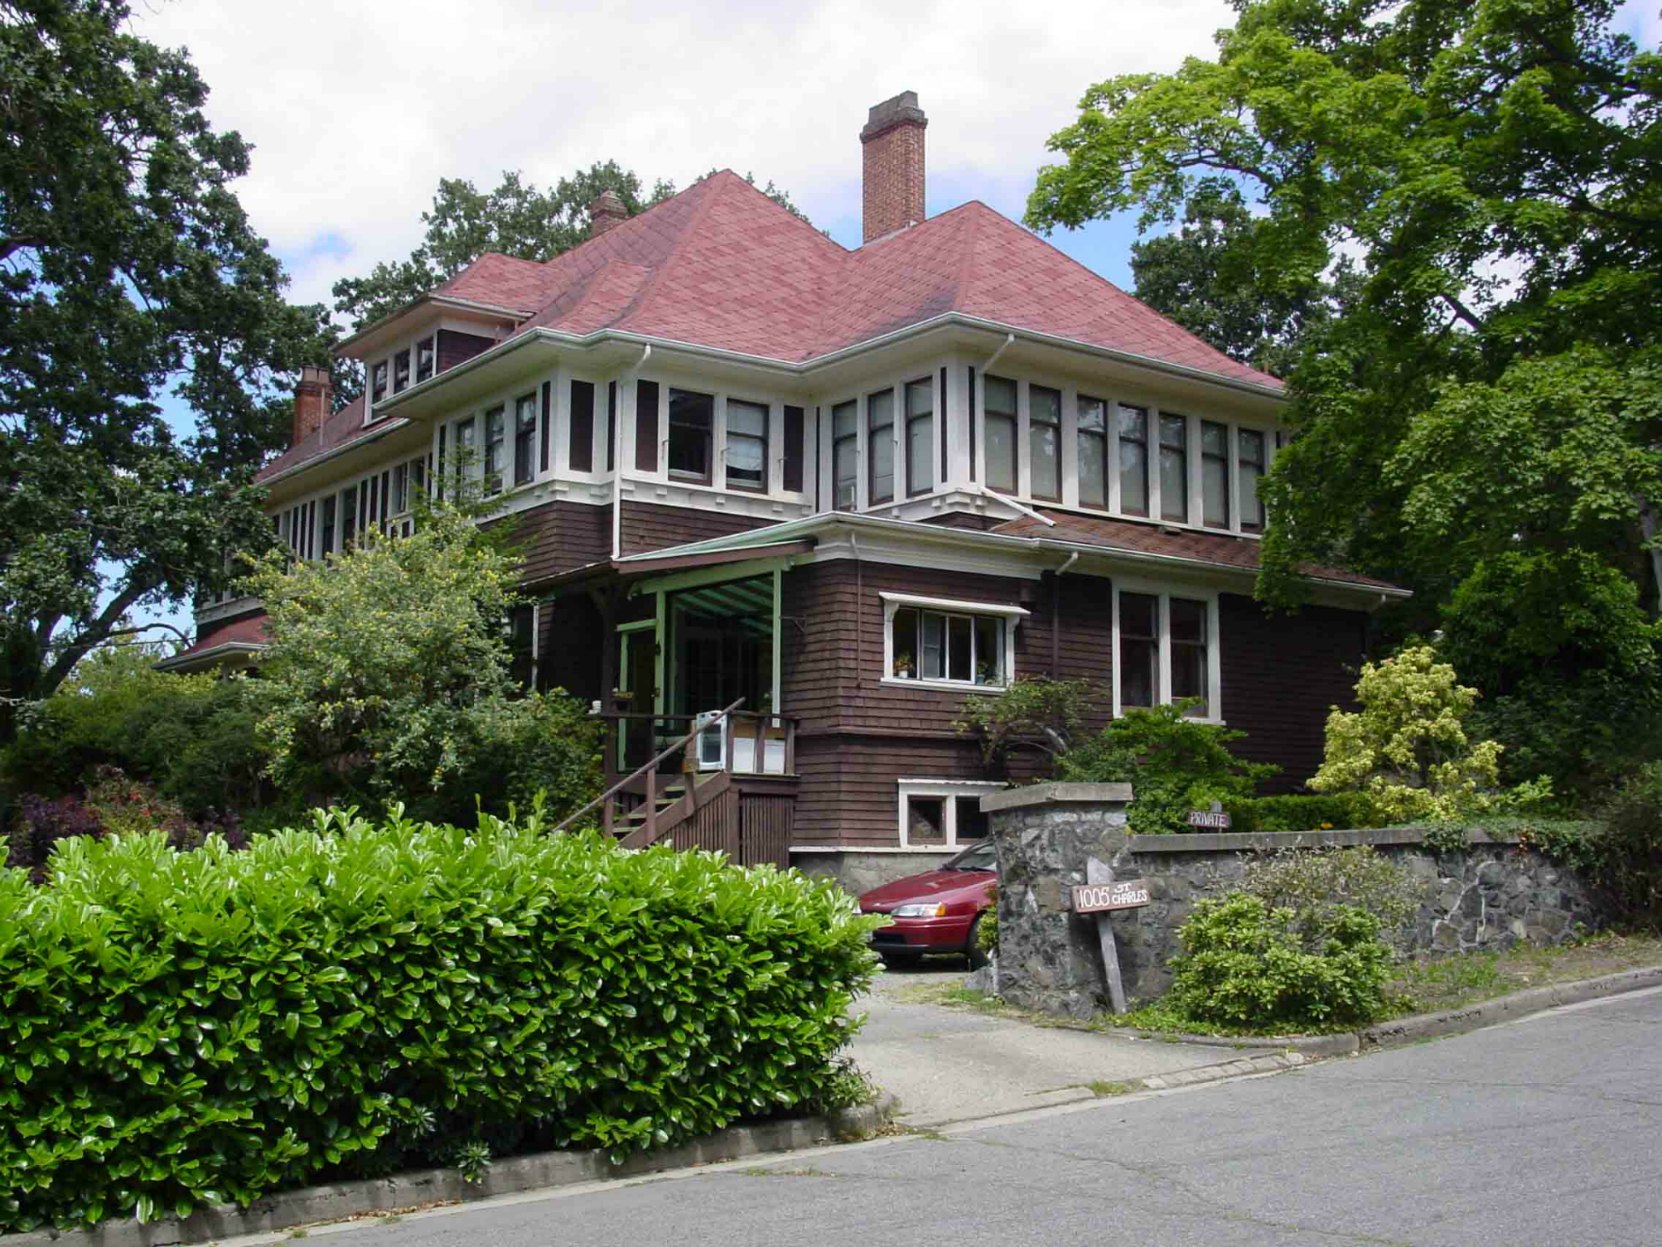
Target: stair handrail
651, 766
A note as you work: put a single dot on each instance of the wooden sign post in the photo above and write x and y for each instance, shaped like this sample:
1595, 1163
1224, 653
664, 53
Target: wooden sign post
1101, 895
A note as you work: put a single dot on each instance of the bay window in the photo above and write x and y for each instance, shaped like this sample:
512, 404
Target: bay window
845, 455
920, 437
999, 422
1044, 441
1174, 468
1250, 454
1165, 652
1132, 426
954, 643
691, 426
880, 447
1214, 474
1092, 438
746, 455
525, 438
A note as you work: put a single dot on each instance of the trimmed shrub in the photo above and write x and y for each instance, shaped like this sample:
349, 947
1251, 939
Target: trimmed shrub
1316, 883
1251, 967
182, 1028
1625, 853
1345, 811
1173, 763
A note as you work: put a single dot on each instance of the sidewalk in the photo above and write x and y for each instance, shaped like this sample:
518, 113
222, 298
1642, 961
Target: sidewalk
949, 1065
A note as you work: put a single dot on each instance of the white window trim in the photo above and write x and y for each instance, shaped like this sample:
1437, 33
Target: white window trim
893, 602
944, 788
1214, 645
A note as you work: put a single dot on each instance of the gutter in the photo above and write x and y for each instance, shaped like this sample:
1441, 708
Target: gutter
305, 465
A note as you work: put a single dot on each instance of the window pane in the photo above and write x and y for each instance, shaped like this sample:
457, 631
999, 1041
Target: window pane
424, 359
1093, 452
1139, 648
926, 820
1133, 433
747, 444
1188, 653
845, 455
1044, 429
989, 650
1000, 406
691, 421
329, 524
1174, 468
1251, 444
400, 371
905, 643
400, 496
880, 446
1214, 473
972, 823
958, 648
495, 422
378, 382
933, 659
525, 438
920, 437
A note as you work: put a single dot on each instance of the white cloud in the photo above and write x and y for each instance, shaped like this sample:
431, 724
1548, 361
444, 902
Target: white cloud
356, 111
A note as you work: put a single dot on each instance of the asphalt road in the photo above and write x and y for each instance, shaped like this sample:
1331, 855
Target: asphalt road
1545, 1131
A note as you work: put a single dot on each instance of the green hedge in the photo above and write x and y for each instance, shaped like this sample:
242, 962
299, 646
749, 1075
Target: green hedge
1342, 811
179, 1029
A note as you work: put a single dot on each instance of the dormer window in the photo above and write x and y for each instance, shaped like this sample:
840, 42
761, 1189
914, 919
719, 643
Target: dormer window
378, 381
400, 372
426, 353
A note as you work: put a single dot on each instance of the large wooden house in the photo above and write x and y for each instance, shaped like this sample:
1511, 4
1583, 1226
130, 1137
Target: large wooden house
840, 491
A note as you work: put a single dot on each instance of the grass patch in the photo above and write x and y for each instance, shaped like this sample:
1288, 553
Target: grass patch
1103, 1088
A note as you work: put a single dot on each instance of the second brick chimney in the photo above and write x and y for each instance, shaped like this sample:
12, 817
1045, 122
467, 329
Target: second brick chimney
605, 212
892, 144
313, 397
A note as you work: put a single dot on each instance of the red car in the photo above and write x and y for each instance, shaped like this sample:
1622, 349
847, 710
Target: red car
935, 912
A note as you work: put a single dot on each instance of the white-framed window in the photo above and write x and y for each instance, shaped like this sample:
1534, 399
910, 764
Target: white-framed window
845, 455
941, 643
1166, 650
943, 813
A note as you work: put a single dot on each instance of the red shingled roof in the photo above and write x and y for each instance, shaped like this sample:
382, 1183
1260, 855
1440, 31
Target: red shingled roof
341, 429
1145, 537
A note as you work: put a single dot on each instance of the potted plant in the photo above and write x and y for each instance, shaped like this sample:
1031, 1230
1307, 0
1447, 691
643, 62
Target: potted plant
903, 667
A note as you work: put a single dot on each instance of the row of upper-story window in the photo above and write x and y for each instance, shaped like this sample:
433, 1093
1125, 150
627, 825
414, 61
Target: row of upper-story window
382, 501
1048, 444
394, 374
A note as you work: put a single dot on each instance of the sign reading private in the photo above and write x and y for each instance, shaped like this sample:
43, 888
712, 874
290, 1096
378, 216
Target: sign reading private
1214, 819
1097, 898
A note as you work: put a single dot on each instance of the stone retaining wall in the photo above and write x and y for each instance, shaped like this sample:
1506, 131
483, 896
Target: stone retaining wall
1490, 897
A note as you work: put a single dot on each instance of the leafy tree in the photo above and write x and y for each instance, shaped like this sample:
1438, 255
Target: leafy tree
1033, 713
127, 267
1173, 763
387, 678
514, 218
1206, 277
1491, 171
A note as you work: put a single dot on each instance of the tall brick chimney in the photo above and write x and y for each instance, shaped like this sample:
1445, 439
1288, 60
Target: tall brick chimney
893, 166
313, 398
606, 212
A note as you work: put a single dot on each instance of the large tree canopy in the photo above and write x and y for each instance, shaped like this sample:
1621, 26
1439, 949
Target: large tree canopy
1490, 396
515, 218
127, 268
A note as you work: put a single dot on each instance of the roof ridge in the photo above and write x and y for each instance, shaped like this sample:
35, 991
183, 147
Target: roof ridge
700, 210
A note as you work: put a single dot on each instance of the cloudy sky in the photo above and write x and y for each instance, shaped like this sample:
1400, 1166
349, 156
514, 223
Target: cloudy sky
356, 110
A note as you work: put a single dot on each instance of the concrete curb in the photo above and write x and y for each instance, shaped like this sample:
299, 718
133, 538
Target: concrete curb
1267, 1063
1431, 1025
287, 1209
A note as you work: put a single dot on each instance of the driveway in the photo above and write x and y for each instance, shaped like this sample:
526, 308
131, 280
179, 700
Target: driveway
953, 1064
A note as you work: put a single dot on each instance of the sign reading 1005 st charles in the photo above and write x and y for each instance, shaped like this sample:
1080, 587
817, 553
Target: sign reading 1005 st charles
1097, 898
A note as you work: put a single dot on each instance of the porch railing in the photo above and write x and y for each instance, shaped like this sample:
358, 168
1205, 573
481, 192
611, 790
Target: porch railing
743, 742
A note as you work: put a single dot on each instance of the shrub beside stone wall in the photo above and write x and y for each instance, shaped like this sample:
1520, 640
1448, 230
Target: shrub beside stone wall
1492, 896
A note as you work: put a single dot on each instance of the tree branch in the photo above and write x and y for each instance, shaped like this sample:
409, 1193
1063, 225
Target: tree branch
93, 635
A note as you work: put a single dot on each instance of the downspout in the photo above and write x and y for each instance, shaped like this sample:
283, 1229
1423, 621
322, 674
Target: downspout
859, 608
617, 458
1026, 510
1056, 613
1009, 341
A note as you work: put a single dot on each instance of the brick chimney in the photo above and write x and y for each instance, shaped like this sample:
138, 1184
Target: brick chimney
313, 398
893, 166
606, 212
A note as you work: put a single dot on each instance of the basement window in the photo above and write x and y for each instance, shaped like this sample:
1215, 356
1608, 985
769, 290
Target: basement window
943, 813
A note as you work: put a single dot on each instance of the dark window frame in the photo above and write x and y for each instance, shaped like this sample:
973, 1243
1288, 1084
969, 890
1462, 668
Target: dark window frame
850, 442
525, 439
496, 441
766, 410
909, 438
1120, 465
1179, 451
1211, 457
701, 432
1259, 466
873, 499
1013, 417
1032, 447
1102, 438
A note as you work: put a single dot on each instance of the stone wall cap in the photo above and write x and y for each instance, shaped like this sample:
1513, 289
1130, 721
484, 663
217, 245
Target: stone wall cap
1057, 794
1270, 841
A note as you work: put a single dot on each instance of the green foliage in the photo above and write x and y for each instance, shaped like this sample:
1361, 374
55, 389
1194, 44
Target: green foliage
514, 218
128, 270
181, 1029
194, 737
1315, 883
1035, 712
1626, 854
387, 677
986, 928
1174, 764
1345, 811
1482, 415
1251, 967
1407, 747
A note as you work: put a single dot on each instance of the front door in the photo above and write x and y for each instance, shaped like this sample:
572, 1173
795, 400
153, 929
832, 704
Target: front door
640, 681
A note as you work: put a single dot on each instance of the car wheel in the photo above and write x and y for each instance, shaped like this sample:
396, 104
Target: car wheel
973, 952
899, 961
